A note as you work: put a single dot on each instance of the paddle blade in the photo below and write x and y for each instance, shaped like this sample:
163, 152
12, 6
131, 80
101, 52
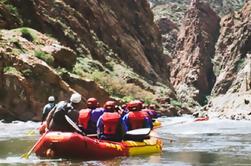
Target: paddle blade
68, 119
31, 133
25, 156
143, 131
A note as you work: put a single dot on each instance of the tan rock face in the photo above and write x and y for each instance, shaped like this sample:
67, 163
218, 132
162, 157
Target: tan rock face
191, 70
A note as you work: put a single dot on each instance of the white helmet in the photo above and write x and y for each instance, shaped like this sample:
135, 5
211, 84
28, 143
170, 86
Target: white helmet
51, 98
75, 98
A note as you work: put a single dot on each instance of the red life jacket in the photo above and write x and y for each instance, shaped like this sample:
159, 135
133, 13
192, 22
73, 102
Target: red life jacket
84, 117
111, 121
136, 119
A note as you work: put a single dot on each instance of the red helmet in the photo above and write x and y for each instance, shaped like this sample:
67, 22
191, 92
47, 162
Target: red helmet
135, 105
109, 105
92, 102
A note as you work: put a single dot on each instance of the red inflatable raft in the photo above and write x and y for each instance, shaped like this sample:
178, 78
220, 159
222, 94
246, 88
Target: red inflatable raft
74, 145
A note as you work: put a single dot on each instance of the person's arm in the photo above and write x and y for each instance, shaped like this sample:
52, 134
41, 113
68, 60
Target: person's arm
100, 126
122, 128
125, 123
43, 114
148, 122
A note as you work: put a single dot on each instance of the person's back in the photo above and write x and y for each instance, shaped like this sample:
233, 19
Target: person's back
109, 124
88, 117
48, 107
136, 118
152, 111
56, 120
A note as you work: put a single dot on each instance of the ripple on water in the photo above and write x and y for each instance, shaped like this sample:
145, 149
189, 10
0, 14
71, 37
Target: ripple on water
18, 129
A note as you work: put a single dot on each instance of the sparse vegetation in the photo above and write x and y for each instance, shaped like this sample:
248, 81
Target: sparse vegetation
61, 71
27, 73
119, 88
48, 58
109, 65
10, 7
126, 99
11, 70
240, 64
175, 103
27, 34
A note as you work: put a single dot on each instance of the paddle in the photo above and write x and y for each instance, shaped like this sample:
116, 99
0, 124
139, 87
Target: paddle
142, 131
31, 132
137, 134
26, 155
68, 119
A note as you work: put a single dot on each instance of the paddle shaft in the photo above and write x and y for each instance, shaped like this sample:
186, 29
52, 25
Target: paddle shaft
26, 155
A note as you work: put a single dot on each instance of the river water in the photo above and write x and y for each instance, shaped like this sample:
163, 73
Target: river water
213, 142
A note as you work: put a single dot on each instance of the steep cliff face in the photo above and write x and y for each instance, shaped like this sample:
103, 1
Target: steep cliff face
192, 70
232, 51
125, 26
233, 67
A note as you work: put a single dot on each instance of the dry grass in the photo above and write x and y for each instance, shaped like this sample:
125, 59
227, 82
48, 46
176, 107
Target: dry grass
117, 87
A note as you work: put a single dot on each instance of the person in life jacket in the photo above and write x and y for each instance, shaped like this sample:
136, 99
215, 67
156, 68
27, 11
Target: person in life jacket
151, 111
48, 107
88, 117
136, 118
56, 120
109, 124
122, 110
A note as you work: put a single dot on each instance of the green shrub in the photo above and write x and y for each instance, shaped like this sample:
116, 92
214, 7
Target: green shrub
48, 58
126, 99
11, 70
27, 34
27, 73
61, 71
109, 66
175, 103
240, 64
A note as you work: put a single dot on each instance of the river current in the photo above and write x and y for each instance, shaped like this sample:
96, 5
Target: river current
212, 142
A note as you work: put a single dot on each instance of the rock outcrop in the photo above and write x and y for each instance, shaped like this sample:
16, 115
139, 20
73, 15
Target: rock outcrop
233, 67
27, 81
126, 27
192, 70
232, 51
106, 42
8, 20
168, 30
